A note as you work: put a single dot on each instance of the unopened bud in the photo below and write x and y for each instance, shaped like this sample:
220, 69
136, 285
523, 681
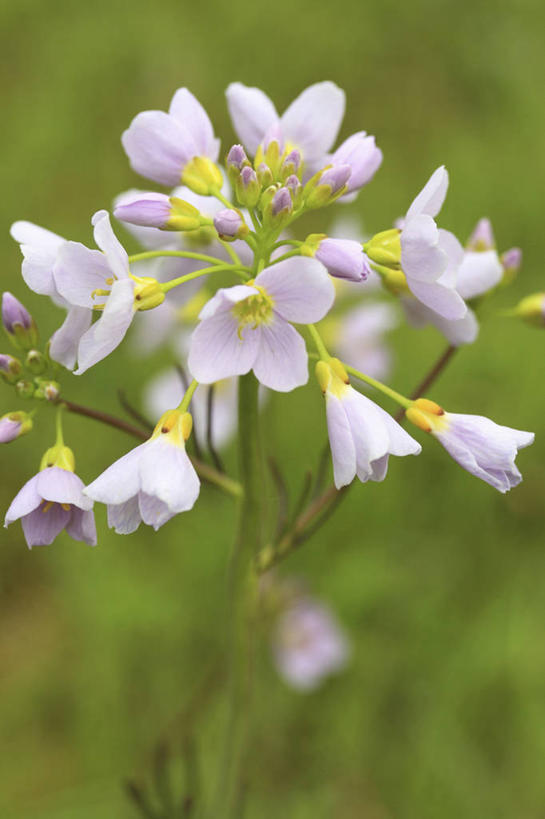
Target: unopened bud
25, 389
277, 207
327, 186
482, 238
13, 425
47, 390
291, 165
18, 322
36, 362
10, 368
230, 225
532, 309
511, 262
160, 211
248, 189
295, 188
202, 176
264, 175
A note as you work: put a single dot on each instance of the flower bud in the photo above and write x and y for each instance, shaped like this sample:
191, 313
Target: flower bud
385, 248
237, 158
291, 165
13, 425
482, 237
25, 389
10, 368
160, 211
248, 189
343, 258
277, 206
18, 322
295, 188
230, 225
511, 262
202, 176
326, 186
532, 309
281, 202
36, 362
264, 175
47, 390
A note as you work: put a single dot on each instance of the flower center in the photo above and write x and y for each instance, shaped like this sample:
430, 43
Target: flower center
255, 310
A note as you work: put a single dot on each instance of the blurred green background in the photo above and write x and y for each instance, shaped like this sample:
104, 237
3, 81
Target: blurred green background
437, 579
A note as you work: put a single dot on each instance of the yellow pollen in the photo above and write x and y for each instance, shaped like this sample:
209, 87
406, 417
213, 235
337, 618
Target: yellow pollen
255, 310
66, 507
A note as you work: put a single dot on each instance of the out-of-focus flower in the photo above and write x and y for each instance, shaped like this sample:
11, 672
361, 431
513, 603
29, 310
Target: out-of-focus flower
13, 425
18, 323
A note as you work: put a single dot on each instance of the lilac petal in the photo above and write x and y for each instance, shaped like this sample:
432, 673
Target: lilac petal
478, 273
147, 210
39, 248
150, 238
107, 241
300, 287
312, 121
422, 259
188, 111
218, 350
458, 332
41, 527
168, 474
431, 197
252, 114
108, 332
361, 153
343, 258
154, 512
281, 362
343, 450
78, 272
26, 500
64, 342
125, 517
61, 486
81, 526
440, 298
120, 482
158, 147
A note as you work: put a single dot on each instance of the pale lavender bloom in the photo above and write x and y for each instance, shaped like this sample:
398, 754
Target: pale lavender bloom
281, 202
147, 209
308, 645
52, 501
247, 327
362, 435
9, 429
159, 145
457, 332
227, 223
151, 484
40, 248
80, 272
363, 157
343, 259
14, 314
360, 338
484, 448
430, 257
310, 124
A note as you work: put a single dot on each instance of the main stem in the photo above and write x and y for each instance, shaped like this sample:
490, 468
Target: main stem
243, 597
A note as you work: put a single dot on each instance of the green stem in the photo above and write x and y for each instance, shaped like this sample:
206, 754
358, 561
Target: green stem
219, 268
181, 254
58, 426
396, 396
317, 339
287, 255
186, 400
223, 199
243, 599
232, 252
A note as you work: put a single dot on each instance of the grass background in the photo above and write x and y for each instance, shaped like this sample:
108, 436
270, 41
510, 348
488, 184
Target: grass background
437, 579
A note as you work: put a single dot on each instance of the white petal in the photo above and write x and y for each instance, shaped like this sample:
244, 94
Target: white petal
282, 361
108, 332
252, 114
312, 121
478, 273
167, 473
461, 331
301, 289
188, 111
61, 486
78, 271
64, 342
26, 500
369, 432
343, 450
157, 146
107, 241
440, 298
153, 511
120, 482
422, 259
125, 517
431, 197
39, 238
218, 351
39, 248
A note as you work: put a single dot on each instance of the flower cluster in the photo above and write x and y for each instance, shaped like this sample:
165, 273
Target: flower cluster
221, 273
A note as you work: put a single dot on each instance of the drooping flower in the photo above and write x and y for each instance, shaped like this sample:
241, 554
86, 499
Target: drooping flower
82, 274
153, 482
169, 147
247, 327
310, 124
53, 500
479, 445
362, 435
308, 644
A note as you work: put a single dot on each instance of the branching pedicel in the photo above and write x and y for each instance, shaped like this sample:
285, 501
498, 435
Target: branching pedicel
262, 328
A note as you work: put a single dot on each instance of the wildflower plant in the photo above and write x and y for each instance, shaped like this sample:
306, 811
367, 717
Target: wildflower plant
220, 250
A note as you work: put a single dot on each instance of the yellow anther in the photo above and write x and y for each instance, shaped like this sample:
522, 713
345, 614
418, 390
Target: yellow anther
66, 507
323, 374
255, 310
47, 506
427, 415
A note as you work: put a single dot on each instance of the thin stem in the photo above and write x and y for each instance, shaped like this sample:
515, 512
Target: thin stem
58, 426
396, 396
255, 220
223, 199
218, 268
285, 256
186, 400
284, 242
431, 377
320, 346
182, 254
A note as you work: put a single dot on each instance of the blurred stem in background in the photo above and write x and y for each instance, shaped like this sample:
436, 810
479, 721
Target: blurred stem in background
243, 605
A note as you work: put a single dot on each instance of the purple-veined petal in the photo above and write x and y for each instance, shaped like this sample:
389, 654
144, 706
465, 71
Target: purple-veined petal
281, 362
301, 289
431, 197
78, 272
61, 486
81, 526
108, 332
219, 350
154, 512
42, 526
125, 517
252, 114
